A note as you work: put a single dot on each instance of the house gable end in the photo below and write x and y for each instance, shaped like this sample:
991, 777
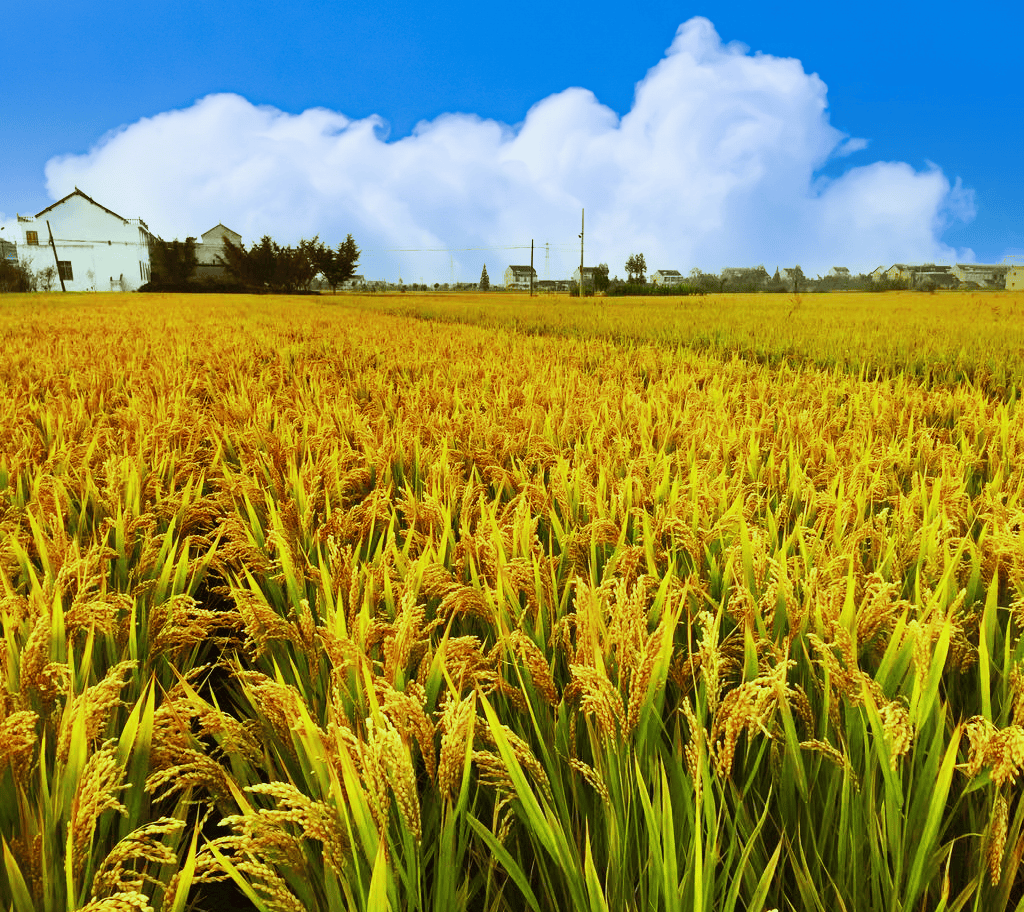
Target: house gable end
87, 198
220, 231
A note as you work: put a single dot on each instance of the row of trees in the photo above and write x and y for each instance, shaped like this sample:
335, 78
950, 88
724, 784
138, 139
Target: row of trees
266, 266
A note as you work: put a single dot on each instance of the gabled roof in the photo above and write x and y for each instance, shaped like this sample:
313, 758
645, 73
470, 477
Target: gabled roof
221, 225
77, 192
526, 269
668, 272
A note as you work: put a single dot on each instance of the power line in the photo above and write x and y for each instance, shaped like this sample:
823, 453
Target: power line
456, 249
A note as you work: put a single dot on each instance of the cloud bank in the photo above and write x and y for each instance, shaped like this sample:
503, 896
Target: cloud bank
717, 163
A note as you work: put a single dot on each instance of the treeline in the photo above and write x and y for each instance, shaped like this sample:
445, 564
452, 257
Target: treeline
264, 267
624, 289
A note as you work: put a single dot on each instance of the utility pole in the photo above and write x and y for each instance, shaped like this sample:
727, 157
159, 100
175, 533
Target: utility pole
55, 260
582, 214
531, 267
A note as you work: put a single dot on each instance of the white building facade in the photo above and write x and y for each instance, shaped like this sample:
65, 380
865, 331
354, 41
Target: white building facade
1015, 278
93, 248
667, 277
520, 276
210, 251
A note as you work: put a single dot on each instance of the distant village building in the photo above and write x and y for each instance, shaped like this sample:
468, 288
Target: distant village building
667, 277
934, 276
210, 255
553, 285
356, 281
96, 249
878, 274
1015, 278
588, 275
900, 272
519, 276
982, 275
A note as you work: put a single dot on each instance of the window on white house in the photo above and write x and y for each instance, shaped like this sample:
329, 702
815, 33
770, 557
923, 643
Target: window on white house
32, 238
64, 268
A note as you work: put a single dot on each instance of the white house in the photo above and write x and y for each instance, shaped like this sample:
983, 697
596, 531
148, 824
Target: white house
667, 277
93, 248
588, 275
900, 271
210, 250
519, 276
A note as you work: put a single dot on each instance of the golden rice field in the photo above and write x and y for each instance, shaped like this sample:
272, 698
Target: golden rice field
483, 603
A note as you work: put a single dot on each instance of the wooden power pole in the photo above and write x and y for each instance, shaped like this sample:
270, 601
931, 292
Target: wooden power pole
582, 222
53, 247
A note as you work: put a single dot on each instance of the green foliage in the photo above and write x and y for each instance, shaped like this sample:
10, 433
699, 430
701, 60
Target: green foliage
268, 266
16, 277
335, 264
636, 266
623, 289
485, 282
172, 263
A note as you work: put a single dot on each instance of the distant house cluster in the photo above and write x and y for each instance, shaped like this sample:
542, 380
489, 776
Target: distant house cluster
757, 278
92, 248
970, 275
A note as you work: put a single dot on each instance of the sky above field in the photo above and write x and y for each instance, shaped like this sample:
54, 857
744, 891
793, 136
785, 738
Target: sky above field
446, 136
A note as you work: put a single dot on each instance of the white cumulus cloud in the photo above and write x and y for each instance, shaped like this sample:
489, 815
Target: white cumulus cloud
718, 162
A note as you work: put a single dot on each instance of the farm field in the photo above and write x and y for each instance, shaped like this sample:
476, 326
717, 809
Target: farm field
483, 603
945, 337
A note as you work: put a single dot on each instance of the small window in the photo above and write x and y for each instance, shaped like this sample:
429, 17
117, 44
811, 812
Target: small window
32, 238
64, 268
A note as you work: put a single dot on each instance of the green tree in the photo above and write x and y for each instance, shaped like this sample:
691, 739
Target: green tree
336, 265
46, 278
15, 276
172, 262
485, 282
636, 266
601, 277
798, 277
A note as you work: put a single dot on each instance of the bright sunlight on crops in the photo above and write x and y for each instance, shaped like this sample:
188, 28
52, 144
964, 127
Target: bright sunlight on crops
491, 603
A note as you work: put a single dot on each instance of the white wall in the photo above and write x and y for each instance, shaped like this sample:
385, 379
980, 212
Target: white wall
100, 246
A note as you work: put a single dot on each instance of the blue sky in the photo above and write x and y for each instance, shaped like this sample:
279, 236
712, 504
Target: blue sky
303, 118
